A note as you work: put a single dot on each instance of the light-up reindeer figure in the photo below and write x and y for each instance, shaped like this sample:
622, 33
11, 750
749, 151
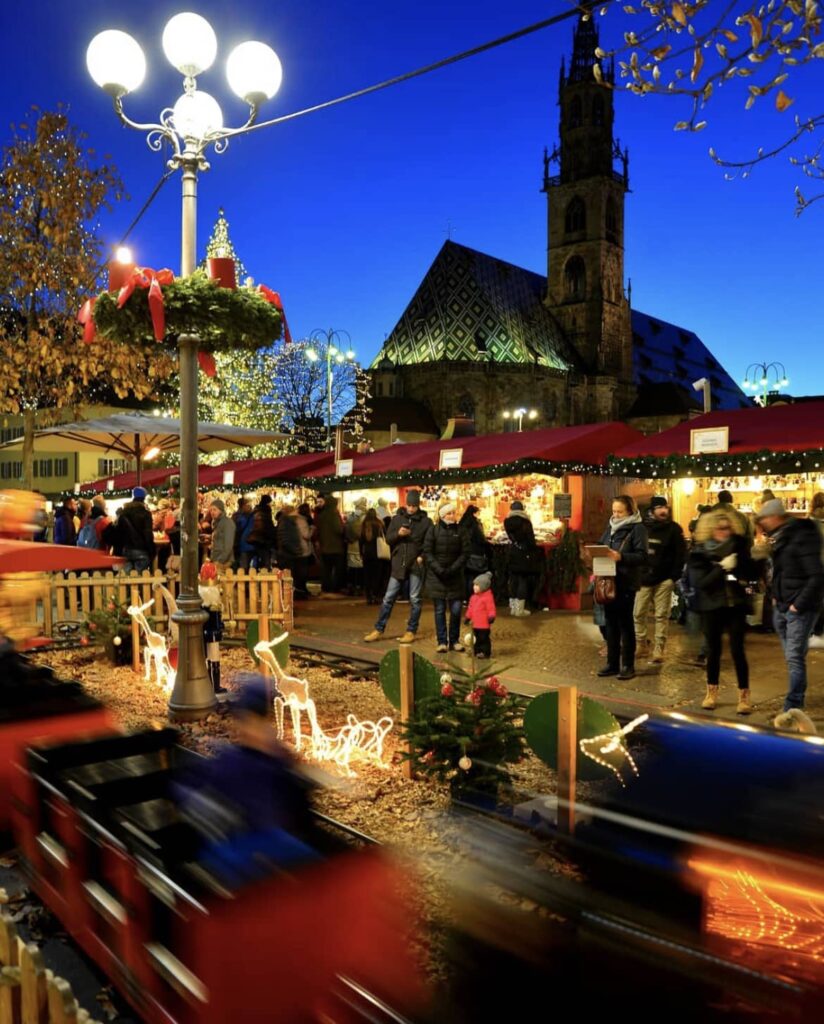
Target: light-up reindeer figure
292, 691
155, 651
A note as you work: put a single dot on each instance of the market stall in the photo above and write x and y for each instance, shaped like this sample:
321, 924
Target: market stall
745, 451
557, 473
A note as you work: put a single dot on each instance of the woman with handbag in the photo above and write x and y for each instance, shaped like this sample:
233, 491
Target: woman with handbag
477, 561
371, 534
626, 538
523, 558
720, 567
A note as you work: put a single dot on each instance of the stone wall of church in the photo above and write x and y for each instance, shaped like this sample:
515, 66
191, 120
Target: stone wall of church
483, 392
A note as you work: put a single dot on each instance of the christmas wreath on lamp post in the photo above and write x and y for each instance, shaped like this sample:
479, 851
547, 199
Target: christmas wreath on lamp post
155, 306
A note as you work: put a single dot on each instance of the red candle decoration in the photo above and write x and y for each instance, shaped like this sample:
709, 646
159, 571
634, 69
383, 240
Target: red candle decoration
119, 274
222, 269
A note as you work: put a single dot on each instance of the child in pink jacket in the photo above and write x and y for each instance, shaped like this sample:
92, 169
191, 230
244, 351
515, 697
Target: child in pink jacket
480, 612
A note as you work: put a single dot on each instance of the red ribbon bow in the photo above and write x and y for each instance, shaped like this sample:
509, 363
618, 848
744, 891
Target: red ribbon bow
143, 277
274, 298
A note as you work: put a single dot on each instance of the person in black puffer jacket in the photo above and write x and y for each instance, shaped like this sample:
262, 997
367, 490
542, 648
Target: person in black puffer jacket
406, 536
523, 558
478, 560
720, 568
446, 549
626, 538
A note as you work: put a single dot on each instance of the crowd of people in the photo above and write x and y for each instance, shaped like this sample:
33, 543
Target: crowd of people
729, 563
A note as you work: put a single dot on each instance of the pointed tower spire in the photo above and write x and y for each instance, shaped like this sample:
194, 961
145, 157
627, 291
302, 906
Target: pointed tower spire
220, 245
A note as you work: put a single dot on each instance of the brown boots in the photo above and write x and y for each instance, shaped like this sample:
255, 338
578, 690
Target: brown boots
711, 700
745, 706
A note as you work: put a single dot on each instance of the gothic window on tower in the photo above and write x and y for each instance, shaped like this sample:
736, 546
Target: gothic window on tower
611, 220
575, 278
576, 114
575, 218
598, 115
466, 406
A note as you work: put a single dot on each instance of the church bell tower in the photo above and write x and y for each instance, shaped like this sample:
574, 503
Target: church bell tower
585, 274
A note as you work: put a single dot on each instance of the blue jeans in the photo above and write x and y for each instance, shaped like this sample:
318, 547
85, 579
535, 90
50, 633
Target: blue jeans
391, 596
794, 630
455, 605
136, 559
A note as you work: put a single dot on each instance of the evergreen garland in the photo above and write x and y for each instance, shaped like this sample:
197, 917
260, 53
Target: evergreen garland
223, 319
466, 734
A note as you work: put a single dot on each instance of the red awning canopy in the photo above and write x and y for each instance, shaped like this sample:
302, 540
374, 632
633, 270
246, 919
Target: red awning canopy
26, 556
793, 434
551, 450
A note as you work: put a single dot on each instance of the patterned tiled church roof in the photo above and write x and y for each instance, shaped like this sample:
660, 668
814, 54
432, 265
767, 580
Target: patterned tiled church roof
471, 307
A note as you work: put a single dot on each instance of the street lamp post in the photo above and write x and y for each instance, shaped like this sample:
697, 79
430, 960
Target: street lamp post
758, 377
332, 350
116, 63
518, 414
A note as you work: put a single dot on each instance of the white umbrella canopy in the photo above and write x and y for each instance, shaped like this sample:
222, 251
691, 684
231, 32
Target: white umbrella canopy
133, 434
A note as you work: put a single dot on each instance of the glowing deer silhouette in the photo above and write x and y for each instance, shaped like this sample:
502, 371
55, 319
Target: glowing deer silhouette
155, 652
292, 691
361, 739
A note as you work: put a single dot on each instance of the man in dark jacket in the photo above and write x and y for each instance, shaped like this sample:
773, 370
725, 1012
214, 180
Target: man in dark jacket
64, 529
797, 589
406, 536
667, 551
136, 533
332, 543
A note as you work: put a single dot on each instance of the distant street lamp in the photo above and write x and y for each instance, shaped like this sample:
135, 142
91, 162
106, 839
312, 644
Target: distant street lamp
330, 349
116, 63
518, 414
758, 377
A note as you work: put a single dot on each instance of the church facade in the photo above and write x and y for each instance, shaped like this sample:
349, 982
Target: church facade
481, 336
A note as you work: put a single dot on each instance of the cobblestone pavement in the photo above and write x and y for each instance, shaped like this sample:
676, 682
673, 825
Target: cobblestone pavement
551, 648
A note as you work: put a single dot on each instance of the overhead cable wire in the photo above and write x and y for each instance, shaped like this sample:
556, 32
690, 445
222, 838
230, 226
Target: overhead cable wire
408, 75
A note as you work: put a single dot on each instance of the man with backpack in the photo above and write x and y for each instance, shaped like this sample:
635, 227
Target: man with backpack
65, 531
136, 534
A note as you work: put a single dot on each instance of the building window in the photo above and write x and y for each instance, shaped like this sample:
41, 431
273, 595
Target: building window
611, 220
575, 278
576, 115
107, 467
43, 467
598, 116
466, 406
61, 467
575, 218
10, 433
379, 389
11, 470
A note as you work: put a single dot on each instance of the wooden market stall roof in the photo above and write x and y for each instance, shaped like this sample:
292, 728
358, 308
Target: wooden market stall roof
285, 469
778, 438
551, 450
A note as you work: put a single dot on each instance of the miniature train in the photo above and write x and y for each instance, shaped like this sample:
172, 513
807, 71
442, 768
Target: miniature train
106, 850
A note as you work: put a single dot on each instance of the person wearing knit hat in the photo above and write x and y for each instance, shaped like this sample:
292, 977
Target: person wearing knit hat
480, 614
667, 554
446, 549
222, 550
405, 535
136, 533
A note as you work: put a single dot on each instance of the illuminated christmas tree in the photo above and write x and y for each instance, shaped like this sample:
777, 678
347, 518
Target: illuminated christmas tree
220, 245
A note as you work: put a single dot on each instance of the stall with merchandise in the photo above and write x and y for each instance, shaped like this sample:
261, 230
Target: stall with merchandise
778, 449
557, 473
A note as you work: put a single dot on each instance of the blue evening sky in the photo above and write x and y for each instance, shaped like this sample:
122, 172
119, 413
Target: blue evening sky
343, 211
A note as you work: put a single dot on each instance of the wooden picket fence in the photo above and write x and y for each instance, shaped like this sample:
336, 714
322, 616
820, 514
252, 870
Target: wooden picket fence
56, 598
29, 993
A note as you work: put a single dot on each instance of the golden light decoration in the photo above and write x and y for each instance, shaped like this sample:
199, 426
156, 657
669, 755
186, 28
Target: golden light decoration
598, 748
355, 740
768, 910
156, 651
